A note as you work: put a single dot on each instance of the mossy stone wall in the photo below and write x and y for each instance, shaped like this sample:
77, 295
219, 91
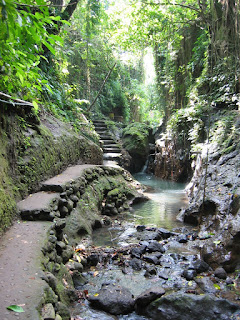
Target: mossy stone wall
32, 151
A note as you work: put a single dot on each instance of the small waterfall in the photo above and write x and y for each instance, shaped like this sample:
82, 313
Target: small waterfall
144, 169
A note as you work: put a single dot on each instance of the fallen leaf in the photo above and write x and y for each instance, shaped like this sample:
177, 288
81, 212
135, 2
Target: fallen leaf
95, 273
15, 308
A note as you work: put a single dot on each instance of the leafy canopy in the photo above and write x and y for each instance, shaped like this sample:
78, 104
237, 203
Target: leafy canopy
24, 33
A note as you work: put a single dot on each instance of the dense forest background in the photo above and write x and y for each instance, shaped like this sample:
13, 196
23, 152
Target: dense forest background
171, 62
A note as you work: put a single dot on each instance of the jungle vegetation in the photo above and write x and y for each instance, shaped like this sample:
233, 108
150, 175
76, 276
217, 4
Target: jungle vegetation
135, 60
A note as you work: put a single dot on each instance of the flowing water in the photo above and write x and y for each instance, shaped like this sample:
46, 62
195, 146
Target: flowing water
166, 199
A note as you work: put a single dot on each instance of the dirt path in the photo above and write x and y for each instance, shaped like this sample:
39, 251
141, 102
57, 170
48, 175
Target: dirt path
20, 270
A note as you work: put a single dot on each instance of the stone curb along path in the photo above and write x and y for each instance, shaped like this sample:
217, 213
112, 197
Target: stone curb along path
31, 246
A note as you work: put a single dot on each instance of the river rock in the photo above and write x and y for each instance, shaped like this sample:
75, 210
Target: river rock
206, 285
152, 258
93, 260
182, 238
164, 233
189, 274
155, 246
183, 306
220, 273
113, 299
200, 266
147, 297
137, 252
150, 271
136, 264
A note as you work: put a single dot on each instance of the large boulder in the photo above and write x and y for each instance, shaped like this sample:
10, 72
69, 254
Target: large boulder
113, 299
183, 306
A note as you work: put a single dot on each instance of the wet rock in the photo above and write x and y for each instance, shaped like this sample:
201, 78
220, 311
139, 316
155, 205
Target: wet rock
48, 312
152, 235
229, 281
164, 233
206, 285
182, 306
62, 202
163, 275
189, 274
155, 246
147, 297
136, 264
167, 261
182, 238
137, 252
113, 299
60, 224
93, 260
141, 228
152, 258
200, 266
220, 273
150, 271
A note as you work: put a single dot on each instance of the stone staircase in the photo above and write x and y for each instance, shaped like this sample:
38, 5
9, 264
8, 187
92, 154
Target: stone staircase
111, 149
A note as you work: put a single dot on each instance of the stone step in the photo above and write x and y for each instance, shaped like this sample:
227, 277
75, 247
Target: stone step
111, 156
111, 150
60, 182
98, 129
111, 163
105, 137
102, 131
112, 145
108, 141
39, 206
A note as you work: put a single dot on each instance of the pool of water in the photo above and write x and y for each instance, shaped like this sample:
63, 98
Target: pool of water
166, 200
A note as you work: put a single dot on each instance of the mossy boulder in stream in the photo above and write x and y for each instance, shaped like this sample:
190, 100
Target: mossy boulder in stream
136, 139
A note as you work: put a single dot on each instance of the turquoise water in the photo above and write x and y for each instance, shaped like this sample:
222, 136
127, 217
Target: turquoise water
166, 200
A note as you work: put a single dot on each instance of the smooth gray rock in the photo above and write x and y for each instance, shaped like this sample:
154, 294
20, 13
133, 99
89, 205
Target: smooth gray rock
182, 306
113, 299
220, 273
148, 296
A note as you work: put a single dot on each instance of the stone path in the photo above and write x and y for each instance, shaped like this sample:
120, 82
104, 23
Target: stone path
20, 247
20, 269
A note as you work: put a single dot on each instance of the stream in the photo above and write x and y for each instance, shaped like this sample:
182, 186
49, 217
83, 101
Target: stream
166, 199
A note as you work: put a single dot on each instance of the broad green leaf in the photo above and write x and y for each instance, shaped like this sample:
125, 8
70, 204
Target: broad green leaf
15, 308
49, 47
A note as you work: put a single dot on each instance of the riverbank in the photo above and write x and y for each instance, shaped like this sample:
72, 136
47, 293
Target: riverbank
77, 201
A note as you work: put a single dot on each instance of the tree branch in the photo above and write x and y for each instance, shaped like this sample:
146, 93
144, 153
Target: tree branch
103, 84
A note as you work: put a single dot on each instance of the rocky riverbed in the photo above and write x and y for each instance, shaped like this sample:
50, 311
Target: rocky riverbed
158, 275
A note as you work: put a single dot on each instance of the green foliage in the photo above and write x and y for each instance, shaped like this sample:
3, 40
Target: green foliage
188, 127
24, 33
